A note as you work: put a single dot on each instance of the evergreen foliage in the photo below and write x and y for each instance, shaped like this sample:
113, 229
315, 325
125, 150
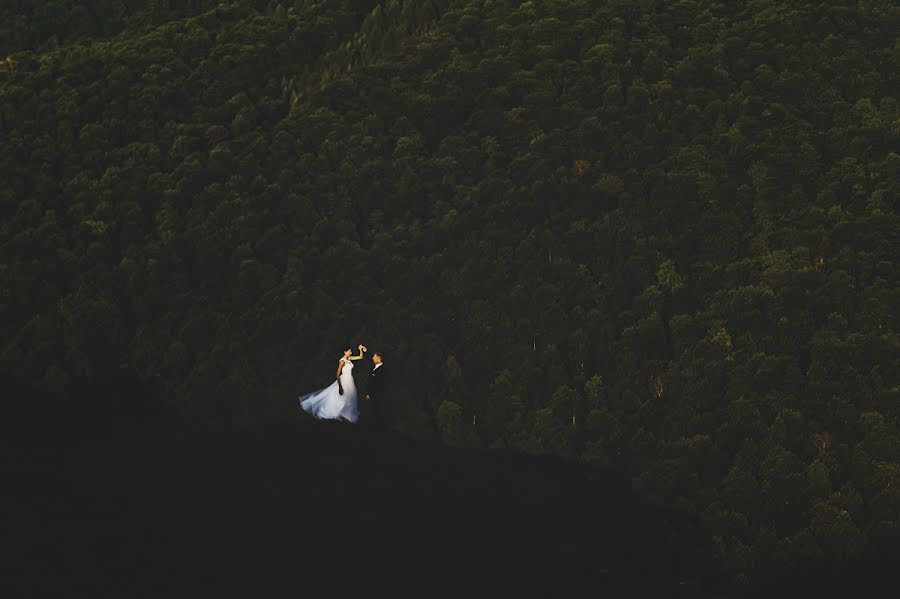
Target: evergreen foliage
659, 235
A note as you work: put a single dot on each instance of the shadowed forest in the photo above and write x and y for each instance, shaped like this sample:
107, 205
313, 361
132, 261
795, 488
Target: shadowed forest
651, 238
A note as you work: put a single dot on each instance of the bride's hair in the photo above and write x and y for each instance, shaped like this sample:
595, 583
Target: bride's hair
347, 349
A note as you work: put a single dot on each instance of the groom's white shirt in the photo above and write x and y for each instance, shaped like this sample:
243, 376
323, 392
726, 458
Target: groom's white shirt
377, 365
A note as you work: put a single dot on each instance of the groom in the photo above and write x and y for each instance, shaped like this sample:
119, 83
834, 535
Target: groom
375, 389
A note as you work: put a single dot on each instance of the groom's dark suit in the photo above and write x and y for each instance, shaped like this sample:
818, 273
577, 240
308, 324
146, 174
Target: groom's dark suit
375, 391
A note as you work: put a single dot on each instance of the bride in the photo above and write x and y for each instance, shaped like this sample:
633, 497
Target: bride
338, 400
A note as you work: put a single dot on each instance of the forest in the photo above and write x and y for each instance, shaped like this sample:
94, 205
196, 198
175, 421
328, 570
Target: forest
660, 237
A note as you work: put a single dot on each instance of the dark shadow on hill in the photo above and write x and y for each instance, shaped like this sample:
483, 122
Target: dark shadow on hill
113, 506
872, 574
111, 407
106, 505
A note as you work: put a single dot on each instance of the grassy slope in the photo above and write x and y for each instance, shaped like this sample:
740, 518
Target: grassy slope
302, 502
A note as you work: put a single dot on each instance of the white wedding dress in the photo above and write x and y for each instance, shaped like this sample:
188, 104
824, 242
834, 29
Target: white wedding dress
329, 404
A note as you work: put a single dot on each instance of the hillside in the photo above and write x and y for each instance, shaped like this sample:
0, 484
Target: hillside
44, 25
308, 507
304, 507
660, 237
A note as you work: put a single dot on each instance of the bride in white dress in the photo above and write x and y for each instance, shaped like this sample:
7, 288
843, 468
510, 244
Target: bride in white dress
338, 400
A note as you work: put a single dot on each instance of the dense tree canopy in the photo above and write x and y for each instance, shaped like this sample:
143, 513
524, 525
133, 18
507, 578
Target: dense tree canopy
654, 234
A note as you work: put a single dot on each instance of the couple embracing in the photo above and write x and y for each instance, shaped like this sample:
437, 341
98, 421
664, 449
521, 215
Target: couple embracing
338, 401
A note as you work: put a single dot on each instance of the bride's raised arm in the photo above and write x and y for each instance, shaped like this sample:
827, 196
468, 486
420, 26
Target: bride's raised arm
362, 350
